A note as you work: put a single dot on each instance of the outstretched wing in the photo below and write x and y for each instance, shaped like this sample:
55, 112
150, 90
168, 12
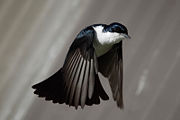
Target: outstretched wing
79, 75
111, 66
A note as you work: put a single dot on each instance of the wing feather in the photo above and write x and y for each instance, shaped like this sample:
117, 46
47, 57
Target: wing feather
91, 80
69, 68
75, 81
79, 84
111, 66
85, 84
71, 77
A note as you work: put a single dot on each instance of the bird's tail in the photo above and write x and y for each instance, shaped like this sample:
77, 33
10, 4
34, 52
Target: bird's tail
51, 88
54, 89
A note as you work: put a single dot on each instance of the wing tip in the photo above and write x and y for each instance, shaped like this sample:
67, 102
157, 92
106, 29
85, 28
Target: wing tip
120, 105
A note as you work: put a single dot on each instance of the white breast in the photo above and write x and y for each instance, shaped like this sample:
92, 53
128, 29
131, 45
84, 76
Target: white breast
105, 40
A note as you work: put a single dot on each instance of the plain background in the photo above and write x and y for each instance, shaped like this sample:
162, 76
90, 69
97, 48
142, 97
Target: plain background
36, 34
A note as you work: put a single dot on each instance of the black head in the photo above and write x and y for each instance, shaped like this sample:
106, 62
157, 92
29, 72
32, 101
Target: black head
117, 27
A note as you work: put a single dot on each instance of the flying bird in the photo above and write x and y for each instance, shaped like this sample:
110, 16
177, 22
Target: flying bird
96, 49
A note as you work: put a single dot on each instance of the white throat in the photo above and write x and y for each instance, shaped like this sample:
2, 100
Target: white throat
105, 40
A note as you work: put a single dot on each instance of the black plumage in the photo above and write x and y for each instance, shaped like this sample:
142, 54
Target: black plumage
77, 82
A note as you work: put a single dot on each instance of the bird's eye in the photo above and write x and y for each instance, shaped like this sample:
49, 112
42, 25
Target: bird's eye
120, 29
117, 29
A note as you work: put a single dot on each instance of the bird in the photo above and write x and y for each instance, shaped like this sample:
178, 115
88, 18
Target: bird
97, 49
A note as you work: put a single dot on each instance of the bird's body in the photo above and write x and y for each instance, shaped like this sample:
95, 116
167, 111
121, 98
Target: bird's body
97, 48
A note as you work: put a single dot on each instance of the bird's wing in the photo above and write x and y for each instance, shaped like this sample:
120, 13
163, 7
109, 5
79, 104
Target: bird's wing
111, 66
80, 72
77, 82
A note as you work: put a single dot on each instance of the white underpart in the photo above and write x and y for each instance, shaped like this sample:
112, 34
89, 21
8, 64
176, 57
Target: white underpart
105, 40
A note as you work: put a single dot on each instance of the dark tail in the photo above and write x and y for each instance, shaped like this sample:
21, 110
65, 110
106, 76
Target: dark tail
53, 89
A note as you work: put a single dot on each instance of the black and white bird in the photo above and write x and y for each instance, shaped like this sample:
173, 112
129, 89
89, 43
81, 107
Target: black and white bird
96, 49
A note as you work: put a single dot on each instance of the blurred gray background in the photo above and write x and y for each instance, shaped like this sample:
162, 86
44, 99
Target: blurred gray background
36, 34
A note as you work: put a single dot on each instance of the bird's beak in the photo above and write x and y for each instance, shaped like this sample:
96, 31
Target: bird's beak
127, 36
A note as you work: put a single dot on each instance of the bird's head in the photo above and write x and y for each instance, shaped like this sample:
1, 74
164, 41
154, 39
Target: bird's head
118, 28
